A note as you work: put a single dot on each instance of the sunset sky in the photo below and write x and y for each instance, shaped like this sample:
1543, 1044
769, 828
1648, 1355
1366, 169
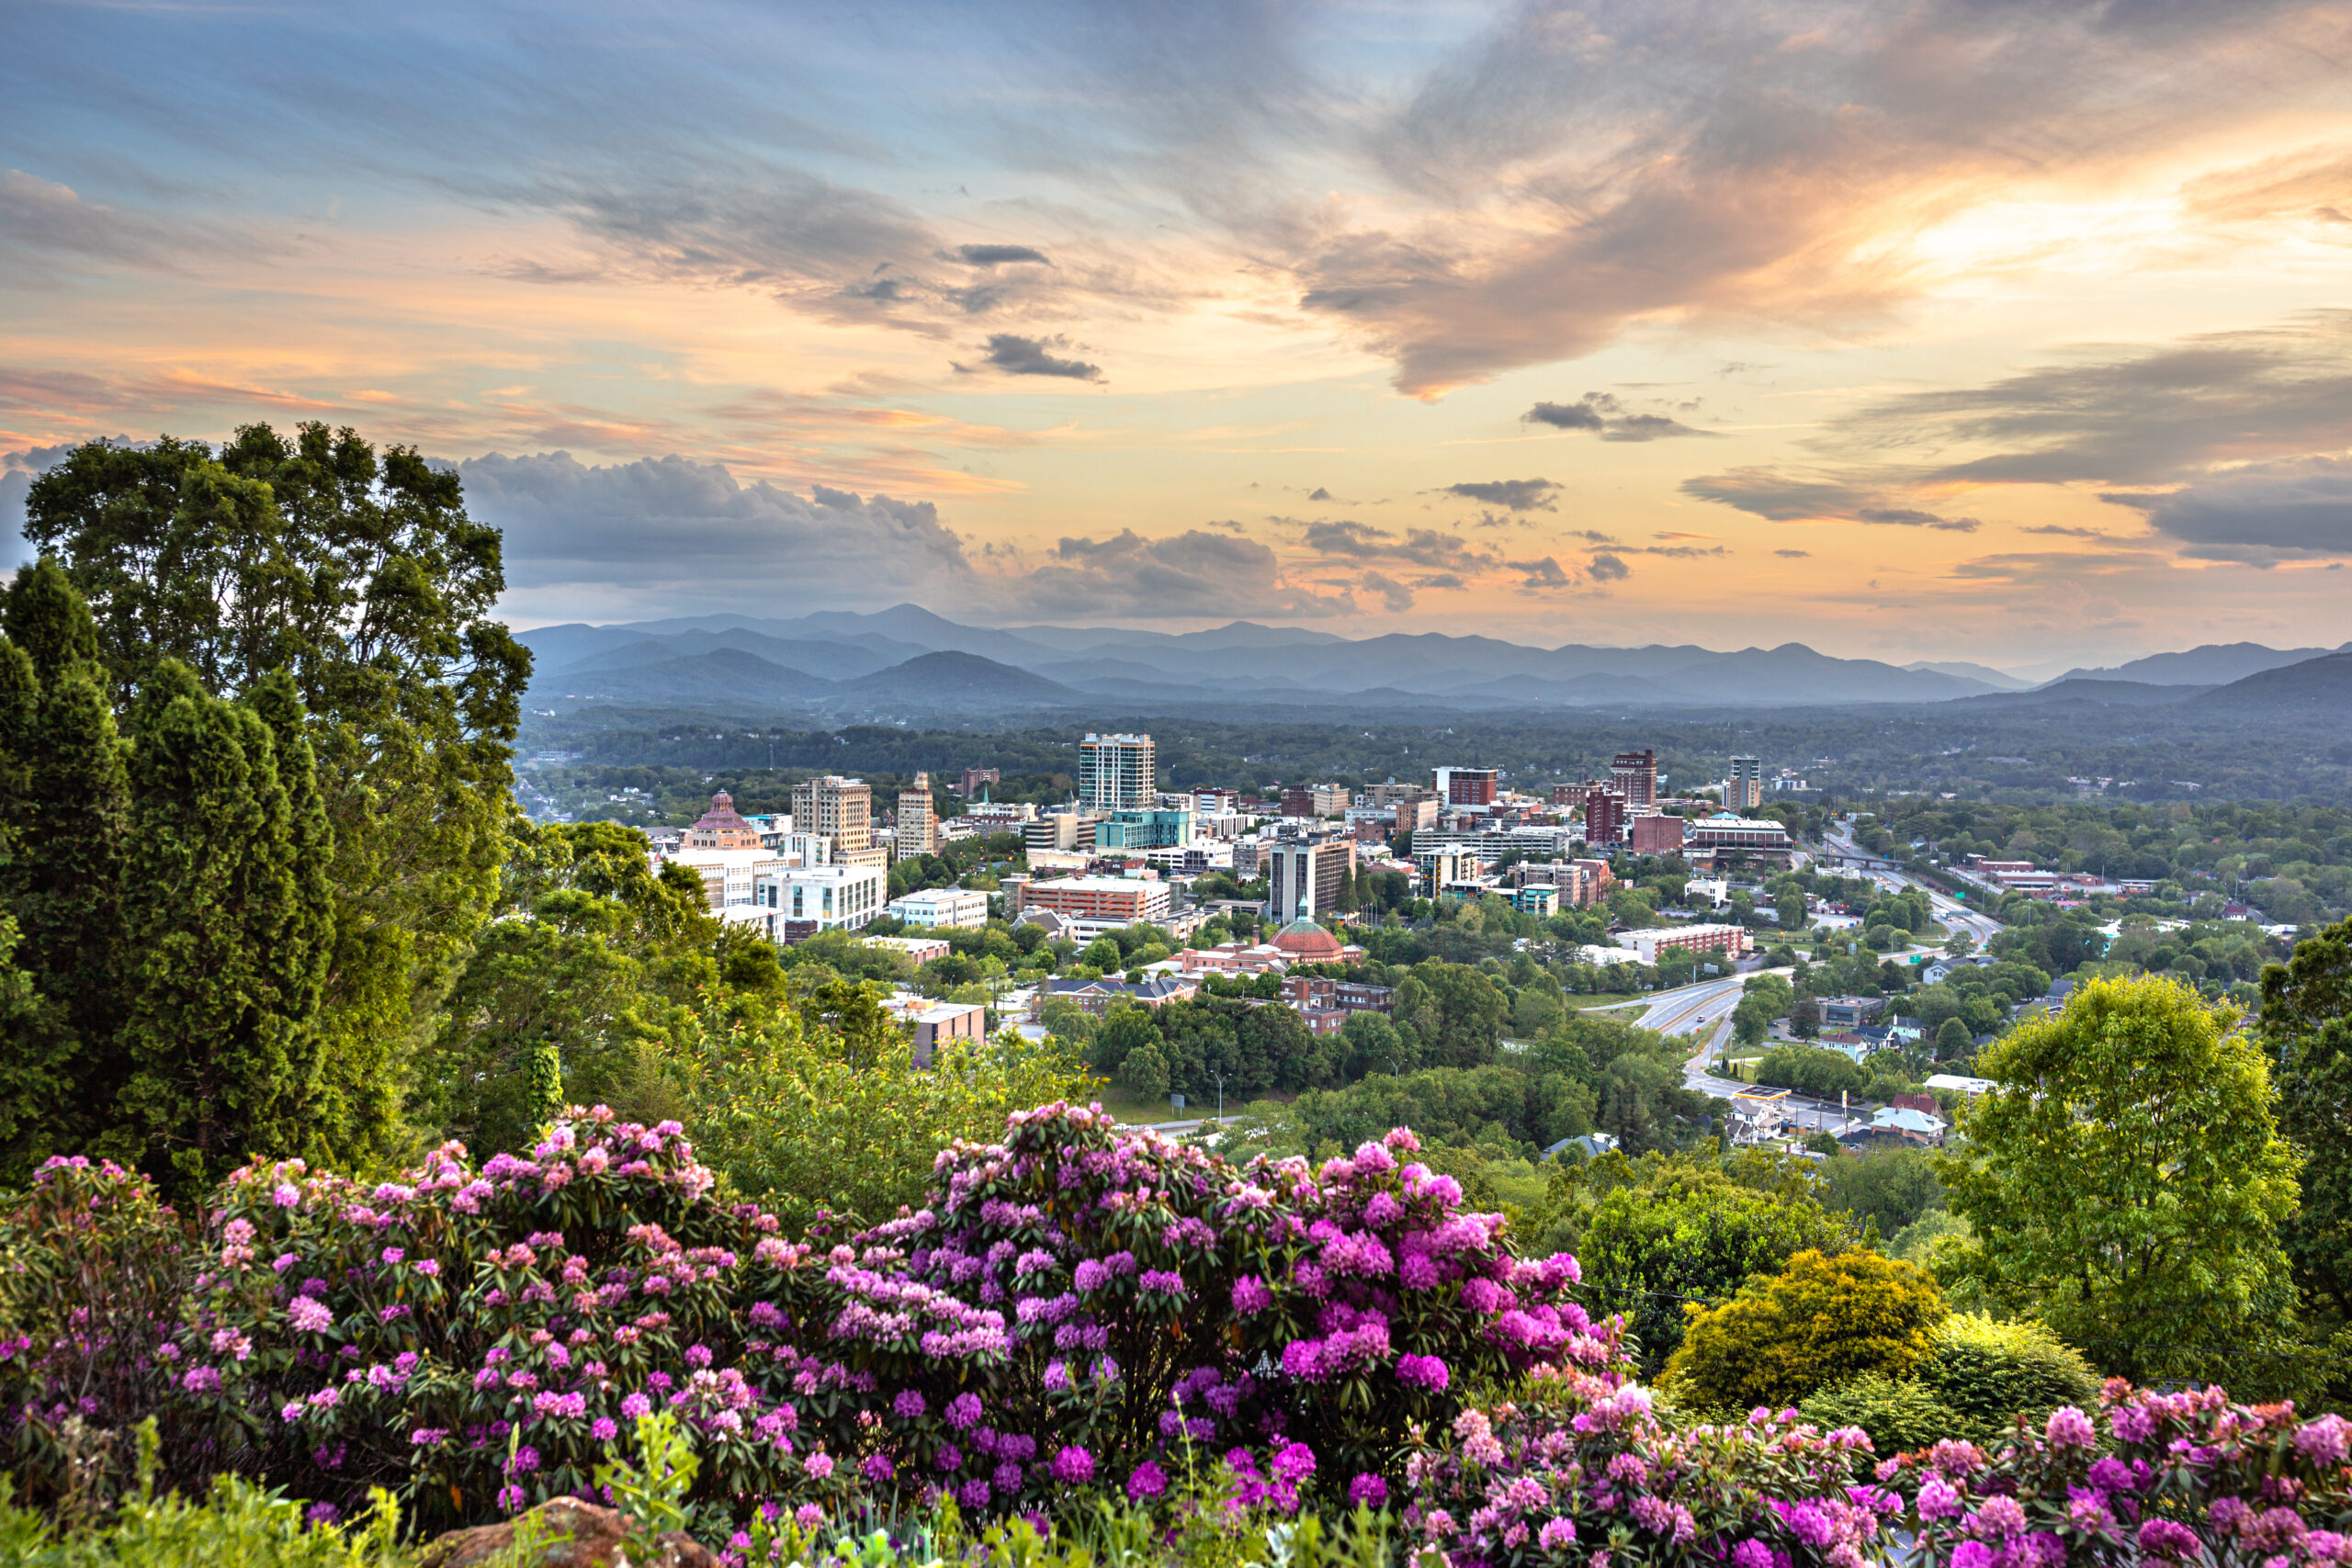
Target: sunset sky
2014, 333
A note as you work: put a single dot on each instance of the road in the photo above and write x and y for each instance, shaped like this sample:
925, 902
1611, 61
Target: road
1951, 912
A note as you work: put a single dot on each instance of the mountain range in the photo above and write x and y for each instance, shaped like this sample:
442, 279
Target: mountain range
906, 664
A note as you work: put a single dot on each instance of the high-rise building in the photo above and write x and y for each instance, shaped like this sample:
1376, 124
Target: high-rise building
842, 810
978, 779
1304, 881
1604, 817
1466, 787
1744, 788
1634, 774
918, 828
1117, 773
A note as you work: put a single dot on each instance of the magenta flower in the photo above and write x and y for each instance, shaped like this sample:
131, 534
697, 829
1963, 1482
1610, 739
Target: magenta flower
1073, 1466
1147, 1480
1369, 1490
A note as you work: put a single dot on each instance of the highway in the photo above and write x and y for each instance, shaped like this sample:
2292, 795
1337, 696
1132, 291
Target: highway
1951, 912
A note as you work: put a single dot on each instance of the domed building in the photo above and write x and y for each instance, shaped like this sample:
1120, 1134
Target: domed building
1304, 941
722, 828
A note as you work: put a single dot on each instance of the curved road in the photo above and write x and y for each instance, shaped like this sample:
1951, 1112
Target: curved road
1951, 912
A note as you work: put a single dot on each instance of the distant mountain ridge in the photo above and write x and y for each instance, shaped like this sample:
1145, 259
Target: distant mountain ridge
844, 665
2213, 664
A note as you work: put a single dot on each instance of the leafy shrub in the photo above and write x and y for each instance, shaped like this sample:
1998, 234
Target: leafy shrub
1990, 1372
1818, 1322
1899, 1413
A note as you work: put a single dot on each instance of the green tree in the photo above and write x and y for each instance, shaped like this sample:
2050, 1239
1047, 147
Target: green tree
2306, 1022
1124, 1028
1891, 1187
64, 825
1789, 909
1820, 1321
1670, 1231
2125, 1177
1952, 1039
359, 575
228, 938
1811, 1069
1804, 1018
1144, 1072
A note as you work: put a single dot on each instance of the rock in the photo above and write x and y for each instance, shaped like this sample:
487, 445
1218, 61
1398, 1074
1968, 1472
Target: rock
576, 1535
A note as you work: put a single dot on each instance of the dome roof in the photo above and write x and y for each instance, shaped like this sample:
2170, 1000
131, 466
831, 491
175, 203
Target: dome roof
1302, 939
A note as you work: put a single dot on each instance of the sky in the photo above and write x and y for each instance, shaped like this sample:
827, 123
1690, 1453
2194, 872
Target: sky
1950, 330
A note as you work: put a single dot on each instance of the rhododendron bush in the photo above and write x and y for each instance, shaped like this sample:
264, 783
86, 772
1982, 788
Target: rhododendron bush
1076, 1307
1072, 1305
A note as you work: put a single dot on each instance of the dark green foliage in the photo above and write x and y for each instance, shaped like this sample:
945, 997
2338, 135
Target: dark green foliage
1668, 1232
228, 942
1813, 1069
1891, 1187
2306, 1026
64, 823
359, 576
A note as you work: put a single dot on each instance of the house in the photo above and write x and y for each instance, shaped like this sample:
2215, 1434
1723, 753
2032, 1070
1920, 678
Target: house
1918, 1126
1098, 997
1850, 1013
1592, 1146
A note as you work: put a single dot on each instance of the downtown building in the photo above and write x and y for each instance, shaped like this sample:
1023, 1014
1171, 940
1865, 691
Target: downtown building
1117, 773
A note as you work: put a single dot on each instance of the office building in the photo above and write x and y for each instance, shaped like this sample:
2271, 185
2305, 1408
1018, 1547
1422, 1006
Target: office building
1066, 832
1153, 830
1727, 835
917, 831
1604, 817
1634, 776
1744, 787
942, 909
978, 779
1473, 787
1304, 882
1117, 773
796, 902
842, 810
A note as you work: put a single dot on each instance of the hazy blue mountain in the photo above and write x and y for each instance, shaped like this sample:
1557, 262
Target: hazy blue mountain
2214, 665
725, 677
956, 682
1999, 680
2322, 687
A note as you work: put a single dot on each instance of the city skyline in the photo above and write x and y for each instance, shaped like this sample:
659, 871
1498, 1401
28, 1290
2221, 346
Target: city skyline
2012, 335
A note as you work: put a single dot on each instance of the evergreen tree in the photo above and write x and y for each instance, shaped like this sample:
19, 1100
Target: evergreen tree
228, 936
63, 825
359, 575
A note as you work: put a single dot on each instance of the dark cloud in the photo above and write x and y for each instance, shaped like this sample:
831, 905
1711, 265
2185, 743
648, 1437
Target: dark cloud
2117, 415
1609, 569
1192, 574
1440, 579
1795, 554
1394, 597
1785, 498
1515, 495
1565, 416
688, 536
1319, 493
2260, 514
1421, 547
1032, 357
1541, 574
999, 255
1912, 517
1604, 413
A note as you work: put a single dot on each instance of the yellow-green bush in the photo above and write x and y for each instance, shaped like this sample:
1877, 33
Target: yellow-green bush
1820, 1321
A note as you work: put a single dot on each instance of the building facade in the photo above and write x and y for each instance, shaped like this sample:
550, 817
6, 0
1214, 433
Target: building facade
796, 902
842, 810
1123, 899
1157, 828
721, 827
1634, 775
1744, 786
944, 909
918, 826
1729, 941
1654, 834
1725, 835
1466, 787
1604, 817
1304, 881
1117, 773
